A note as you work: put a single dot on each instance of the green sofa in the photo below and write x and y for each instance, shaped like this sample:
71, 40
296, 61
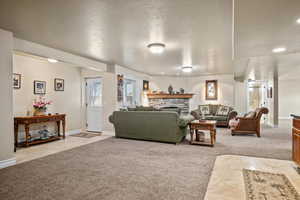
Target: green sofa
162, 126
213, 112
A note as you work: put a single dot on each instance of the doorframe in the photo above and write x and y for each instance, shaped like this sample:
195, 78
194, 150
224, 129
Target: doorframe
85, 101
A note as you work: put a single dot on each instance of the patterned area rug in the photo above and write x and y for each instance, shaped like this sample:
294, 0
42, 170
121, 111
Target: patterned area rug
268, 186
86, 135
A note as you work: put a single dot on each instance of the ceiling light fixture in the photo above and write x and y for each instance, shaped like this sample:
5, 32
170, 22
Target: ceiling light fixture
298, 21
279, 50
52, 60
157, 48
187, 69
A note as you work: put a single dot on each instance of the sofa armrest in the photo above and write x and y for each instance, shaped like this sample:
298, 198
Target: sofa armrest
111, 119
232, 115
183, 121
196, 114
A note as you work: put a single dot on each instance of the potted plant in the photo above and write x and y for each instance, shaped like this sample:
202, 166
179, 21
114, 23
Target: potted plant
40, 106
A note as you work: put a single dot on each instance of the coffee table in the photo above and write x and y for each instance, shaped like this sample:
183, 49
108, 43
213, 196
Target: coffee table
197, 126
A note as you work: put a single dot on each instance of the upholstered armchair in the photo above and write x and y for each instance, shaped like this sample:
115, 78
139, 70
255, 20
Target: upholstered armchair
250, 125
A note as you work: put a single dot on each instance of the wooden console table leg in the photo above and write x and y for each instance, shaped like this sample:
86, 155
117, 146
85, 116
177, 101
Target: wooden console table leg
26, 134
197, 136
64, 128
192, 135
16, 131
58, 128
212, 138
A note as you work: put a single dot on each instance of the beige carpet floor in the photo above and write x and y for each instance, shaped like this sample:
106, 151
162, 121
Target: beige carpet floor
115, 169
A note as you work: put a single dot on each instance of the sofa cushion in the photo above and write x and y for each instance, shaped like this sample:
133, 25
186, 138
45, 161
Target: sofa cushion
213, 109
204, 109
142, 108
216, 118
223, 111
196, 114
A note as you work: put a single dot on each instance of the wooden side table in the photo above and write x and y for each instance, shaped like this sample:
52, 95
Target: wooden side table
27, 121
197, 126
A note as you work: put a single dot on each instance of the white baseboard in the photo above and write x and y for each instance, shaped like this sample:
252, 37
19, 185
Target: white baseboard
7, 163
72, 132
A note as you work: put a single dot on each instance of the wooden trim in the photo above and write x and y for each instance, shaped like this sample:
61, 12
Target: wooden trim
170, 96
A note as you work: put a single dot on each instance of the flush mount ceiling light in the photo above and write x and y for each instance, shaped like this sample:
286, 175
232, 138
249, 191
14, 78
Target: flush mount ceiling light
279, 50
298, 21
187, 69
156, 48
52, 60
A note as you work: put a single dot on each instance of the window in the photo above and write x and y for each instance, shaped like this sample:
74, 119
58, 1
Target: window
130, 93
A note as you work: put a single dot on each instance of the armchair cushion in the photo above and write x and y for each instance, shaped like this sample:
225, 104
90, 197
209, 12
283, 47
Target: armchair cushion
250, 115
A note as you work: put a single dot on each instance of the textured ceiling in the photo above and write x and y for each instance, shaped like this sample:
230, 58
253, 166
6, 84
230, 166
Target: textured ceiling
196, 32
260, 26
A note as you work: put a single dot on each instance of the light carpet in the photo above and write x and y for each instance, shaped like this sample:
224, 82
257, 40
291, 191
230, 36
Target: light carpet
115, 169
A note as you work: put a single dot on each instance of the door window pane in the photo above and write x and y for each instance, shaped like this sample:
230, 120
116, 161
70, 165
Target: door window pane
94, 92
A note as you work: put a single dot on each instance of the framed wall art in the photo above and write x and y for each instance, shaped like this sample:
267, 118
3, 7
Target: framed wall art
211, 90
59, 84
145, 85
39, 87
16, 81
120, 79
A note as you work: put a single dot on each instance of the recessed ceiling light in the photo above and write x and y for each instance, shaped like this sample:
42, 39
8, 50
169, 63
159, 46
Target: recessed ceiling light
187, 69
279, 50
156, 48
52, 60
298, 21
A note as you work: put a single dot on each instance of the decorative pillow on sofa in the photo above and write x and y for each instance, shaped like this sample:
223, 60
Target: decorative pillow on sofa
223, 111
204, 109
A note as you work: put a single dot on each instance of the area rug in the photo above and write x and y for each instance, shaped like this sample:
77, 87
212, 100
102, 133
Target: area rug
121, 169
86, 135
268, 186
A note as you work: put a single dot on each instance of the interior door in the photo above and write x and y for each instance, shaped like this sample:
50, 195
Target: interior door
94, 107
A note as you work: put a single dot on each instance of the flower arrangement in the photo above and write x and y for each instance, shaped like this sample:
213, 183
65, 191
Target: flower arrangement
40, 105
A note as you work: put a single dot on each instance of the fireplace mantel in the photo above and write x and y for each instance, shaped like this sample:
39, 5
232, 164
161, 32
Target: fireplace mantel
169, 96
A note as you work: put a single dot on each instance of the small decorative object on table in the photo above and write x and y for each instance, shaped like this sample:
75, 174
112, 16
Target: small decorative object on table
170, 89
181, 91
40, 106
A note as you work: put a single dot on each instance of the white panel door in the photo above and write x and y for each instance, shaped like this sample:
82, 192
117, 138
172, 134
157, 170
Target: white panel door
94, 108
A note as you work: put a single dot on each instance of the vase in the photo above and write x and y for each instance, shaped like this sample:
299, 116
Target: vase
39, 112
170, 89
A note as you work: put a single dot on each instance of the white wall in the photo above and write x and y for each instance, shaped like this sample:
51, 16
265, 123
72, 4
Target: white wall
289, 98
196, 85
6, 106
67, 101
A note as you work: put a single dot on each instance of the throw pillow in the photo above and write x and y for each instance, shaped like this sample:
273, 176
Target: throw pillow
250, 114
223, 111
204, 109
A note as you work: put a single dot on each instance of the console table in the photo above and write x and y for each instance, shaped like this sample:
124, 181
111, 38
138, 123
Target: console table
27, 121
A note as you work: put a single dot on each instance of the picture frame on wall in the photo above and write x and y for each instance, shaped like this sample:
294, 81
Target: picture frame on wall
145, 85
39, 87
59, 84
16, 81
120, 79
211, 90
